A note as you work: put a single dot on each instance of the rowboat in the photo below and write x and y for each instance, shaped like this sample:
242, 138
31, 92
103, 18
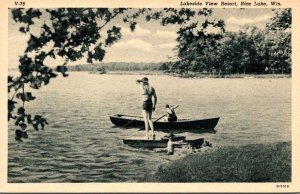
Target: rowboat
162, 143
149, 143
181, 125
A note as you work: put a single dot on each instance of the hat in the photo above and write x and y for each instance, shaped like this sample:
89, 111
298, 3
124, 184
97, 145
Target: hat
144, 80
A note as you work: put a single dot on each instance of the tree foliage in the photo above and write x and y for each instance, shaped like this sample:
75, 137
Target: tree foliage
250, 50
71, 34
281, 21
281, 49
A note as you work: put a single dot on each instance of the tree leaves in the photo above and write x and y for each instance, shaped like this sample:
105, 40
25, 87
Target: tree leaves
114, 34
11, 108
51, 54
62, 69
33, 13
132, 26
23, 126
26, 96
39, 121
21, 111
17, 14
25, 18
206, 12
35, 43
36, 83
24, 29
20, 134
99, 53
281, 21
25, 66
220, 24
250, 50
9, 79
11, 105
280, 48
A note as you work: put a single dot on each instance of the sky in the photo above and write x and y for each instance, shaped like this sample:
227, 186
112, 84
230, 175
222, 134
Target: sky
150, 42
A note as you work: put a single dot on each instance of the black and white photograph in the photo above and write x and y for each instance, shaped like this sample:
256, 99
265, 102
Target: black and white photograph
180, 94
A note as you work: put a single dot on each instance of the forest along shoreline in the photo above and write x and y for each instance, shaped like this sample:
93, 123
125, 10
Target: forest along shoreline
167, 68
198, 75
156, 69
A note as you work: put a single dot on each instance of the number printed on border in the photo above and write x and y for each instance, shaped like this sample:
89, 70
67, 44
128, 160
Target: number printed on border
19, 3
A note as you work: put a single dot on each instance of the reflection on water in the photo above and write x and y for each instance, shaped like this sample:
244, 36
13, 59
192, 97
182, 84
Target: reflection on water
81, 145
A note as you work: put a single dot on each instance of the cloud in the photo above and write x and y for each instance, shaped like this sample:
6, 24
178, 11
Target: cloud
134, 43
139, 31
164, 34
243, 21
167, 45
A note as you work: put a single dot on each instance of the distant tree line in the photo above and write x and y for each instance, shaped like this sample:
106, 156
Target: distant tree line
250, 50
118, 66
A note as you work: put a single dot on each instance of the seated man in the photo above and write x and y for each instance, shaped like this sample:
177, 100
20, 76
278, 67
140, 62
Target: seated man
171, 113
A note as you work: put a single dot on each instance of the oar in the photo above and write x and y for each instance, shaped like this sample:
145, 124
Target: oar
128, 123
159, 118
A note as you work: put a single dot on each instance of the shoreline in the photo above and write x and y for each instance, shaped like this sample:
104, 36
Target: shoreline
189, 75
270, 162
198, 75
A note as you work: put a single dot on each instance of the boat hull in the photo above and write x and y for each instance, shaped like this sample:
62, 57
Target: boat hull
126, 121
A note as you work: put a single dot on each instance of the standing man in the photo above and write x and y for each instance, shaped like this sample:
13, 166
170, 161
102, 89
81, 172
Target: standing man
148, 92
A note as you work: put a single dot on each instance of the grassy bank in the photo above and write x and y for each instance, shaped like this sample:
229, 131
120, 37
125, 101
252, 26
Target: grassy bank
250, 163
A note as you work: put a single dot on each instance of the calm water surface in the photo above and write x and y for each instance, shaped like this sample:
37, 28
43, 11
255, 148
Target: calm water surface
81, 145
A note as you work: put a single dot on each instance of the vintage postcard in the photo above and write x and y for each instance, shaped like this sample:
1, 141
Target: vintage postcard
150, 96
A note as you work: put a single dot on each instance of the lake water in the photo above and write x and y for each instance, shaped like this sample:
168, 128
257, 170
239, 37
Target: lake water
80, 143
